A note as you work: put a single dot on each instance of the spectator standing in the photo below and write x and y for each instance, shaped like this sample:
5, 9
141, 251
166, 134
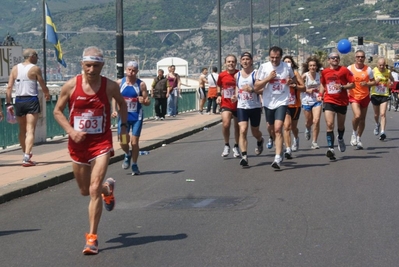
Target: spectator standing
159, 89
212, 91
202, 80
174, 91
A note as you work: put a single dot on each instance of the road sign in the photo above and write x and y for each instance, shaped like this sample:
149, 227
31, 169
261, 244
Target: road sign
396, 65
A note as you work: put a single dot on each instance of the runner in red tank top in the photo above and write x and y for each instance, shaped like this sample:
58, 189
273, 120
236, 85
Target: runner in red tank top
226, 85
90, 139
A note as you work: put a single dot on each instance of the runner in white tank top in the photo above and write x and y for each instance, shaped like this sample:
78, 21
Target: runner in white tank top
248, 107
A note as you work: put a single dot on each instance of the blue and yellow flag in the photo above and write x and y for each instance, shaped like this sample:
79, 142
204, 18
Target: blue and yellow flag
51, 36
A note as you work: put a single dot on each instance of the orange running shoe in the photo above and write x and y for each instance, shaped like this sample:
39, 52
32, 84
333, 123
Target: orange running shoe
109, 200
91, 247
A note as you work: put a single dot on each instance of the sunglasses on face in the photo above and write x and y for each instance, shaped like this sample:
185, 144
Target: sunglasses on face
360, 57
334, 58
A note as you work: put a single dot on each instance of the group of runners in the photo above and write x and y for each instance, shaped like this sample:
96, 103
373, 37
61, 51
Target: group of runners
276, 86
283, 92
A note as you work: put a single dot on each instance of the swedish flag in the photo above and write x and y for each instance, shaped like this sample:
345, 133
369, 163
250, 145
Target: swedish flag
51, 36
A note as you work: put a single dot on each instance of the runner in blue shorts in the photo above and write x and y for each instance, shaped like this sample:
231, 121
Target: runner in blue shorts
311, 106
134, 91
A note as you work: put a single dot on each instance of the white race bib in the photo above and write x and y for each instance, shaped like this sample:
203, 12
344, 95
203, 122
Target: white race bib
89, 121
131, 103
331, 89
381, 89
228, 92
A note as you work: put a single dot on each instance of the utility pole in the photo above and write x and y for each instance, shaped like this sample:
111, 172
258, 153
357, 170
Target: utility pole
119, 39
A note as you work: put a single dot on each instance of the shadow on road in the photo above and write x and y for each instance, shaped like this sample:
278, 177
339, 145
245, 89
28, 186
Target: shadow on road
11, 232
126, 240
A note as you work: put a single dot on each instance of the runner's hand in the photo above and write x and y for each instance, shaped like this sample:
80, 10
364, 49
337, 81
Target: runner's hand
77, 137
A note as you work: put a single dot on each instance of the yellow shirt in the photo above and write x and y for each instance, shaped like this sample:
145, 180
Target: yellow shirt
381, 88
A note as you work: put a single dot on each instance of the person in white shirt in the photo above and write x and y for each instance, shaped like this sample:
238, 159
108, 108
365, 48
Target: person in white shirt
212, 91
273, 80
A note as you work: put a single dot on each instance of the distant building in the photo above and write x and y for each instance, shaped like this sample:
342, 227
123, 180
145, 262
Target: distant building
370, 2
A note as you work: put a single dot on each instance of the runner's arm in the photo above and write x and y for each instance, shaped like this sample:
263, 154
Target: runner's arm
144, 92
62, 102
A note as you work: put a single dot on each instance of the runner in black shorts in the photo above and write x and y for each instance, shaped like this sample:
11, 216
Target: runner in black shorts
25, 77
26, 105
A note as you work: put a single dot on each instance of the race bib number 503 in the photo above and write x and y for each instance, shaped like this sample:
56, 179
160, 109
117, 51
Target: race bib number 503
89, 122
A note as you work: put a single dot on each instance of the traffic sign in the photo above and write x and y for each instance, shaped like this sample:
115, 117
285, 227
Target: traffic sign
396, 65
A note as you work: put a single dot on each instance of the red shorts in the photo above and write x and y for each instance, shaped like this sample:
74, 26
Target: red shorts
364, 103
91, 148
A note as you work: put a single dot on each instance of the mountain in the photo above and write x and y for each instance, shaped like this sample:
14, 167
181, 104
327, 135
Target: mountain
325, 21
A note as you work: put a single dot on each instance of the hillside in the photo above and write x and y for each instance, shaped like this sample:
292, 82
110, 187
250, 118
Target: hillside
332, 20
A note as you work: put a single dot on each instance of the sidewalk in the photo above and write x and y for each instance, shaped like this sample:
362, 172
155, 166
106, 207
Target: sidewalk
54, 164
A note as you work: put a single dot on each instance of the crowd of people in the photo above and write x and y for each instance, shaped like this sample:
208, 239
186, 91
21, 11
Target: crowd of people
277, 89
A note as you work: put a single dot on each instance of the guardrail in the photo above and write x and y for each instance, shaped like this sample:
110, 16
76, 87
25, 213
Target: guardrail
9, 132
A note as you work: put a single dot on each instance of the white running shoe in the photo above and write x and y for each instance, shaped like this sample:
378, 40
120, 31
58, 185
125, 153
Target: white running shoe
359, 145
341, 145
276, 163
236, 152
314, 145
353, 140
295, 144
226, 151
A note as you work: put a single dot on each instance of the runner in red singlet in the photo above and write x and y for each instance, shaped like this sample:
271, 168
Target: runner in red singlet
88, 97
226, 89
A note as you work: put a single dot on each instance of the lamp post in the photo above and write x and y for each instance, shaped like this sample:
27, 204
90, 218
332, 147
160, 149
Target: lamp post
251, 29
297, 37
270, 37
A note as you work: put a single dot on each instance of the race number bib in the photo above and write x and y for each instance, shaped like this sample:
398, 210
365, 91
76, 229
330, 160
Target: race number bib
277, 86
331, 89
244, 95
131, 103
228, 92
89, 121
381, 89
292, 98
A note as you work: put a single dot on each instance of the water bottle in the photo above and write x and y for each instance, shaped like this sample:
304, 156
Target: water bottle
141, 153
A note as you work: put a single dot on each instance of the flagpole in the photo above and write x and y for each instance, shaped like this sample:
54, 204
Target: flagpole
44, 43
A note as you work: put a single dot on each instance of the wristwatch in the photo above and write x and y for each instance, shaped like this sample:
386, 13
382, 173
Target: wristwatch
342, 87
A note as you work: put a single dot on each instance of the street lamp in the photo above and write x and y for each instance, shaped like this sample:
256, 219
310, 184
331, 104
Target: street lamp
297, 37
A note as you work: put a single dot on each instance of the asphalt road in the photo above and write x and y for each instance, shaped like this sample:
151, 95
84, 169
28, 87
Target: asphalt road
191, 207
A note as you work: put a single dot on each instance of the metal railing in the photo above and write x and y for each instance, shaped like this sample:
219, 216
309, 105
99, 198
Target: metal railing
9, 132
